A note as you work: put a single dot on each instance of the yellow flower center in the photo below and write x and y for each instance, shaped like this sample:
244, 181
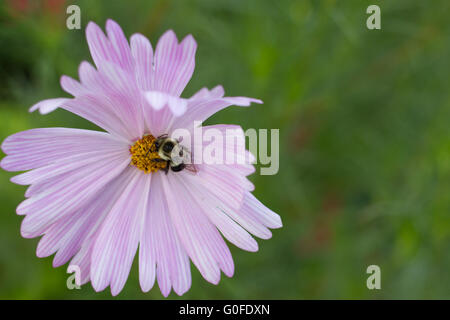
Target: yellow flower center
144, 155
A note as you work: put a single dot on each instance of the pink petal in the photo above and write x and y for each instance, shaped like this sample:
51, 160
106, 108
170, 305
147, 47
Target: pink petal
43, 185
125, 97
200, 238
254, 209
234, 152
117, 241
159, 99
100, 46
222, 182
68, 234
161, 110
39, 147
177, 105
72, 86
82, 260
97, 109
120, 45
205, 94
232, 231
174, 63
200, 109
161, 252
114, 93
49, 105
68, 195
63, 166
142, 53
243, 216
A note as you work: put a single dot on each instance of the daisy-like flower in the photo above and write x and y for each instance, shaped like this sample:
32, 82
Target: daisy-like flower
95, 197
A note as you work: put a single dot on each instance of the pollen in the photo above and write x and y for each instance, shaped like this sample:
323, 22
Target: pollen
144, 155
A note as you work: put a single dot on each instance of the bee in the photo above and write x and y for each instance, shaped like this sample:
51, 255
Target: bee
176, 156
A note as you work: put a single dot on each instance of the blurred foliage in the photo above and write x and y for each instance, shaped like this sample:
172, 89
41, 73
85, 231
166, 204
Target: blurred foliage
363, 117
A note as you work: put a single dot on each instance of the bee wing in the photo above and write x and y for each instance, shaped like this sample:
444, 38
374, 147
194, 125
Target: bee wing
191, 168
186, 156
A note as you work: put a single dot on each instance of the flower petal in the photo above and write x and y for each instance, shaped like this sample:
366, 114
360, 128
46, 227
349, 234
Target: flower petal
161, 252
62, 166
174, 63
232, 231
159, 99
40, 147
120, 45
142, 53
49, 105
68, 234
161, 110
200, 238
125, 97
118, 237
201, 106
244, 216
68, 195
72, 86
100, 46
254, 209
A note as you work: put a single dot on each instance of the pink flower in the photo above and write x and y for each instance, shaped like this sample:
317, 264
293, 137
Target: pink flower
95, 197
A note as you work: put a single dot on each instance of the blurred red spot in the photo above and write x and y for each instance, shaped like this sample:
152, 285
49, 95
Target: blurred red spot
54, 6
321, 234
18, 6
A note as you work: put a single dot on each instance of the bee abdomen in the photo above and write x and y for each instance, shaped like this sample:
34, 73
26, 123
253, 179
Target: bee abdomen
178, 168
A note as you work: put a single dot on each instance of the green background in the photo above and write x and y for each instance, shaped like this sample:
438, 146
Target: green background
364, 137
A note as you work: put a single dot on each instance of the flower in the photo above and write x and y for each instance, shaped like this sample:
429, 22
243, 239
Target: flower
95, 197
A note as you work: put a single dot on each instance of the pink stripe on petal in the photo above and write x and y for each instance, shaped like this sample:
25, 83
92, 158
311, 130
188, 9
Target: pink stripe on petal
223, 182
243, 217
142, 53
202, 109
186, 65
68, 234
174, 63
117, 97
200, 238
68, 195
228, 227
117, 241
39, 147
126, 103
39, 187
82, 261
82, 258
120, 45
161, 252
253, 208
99, 45
96, 109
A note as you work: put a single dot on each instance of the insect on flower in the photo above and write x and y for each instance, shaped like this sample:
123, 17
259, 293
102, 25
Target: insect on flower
96, 197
